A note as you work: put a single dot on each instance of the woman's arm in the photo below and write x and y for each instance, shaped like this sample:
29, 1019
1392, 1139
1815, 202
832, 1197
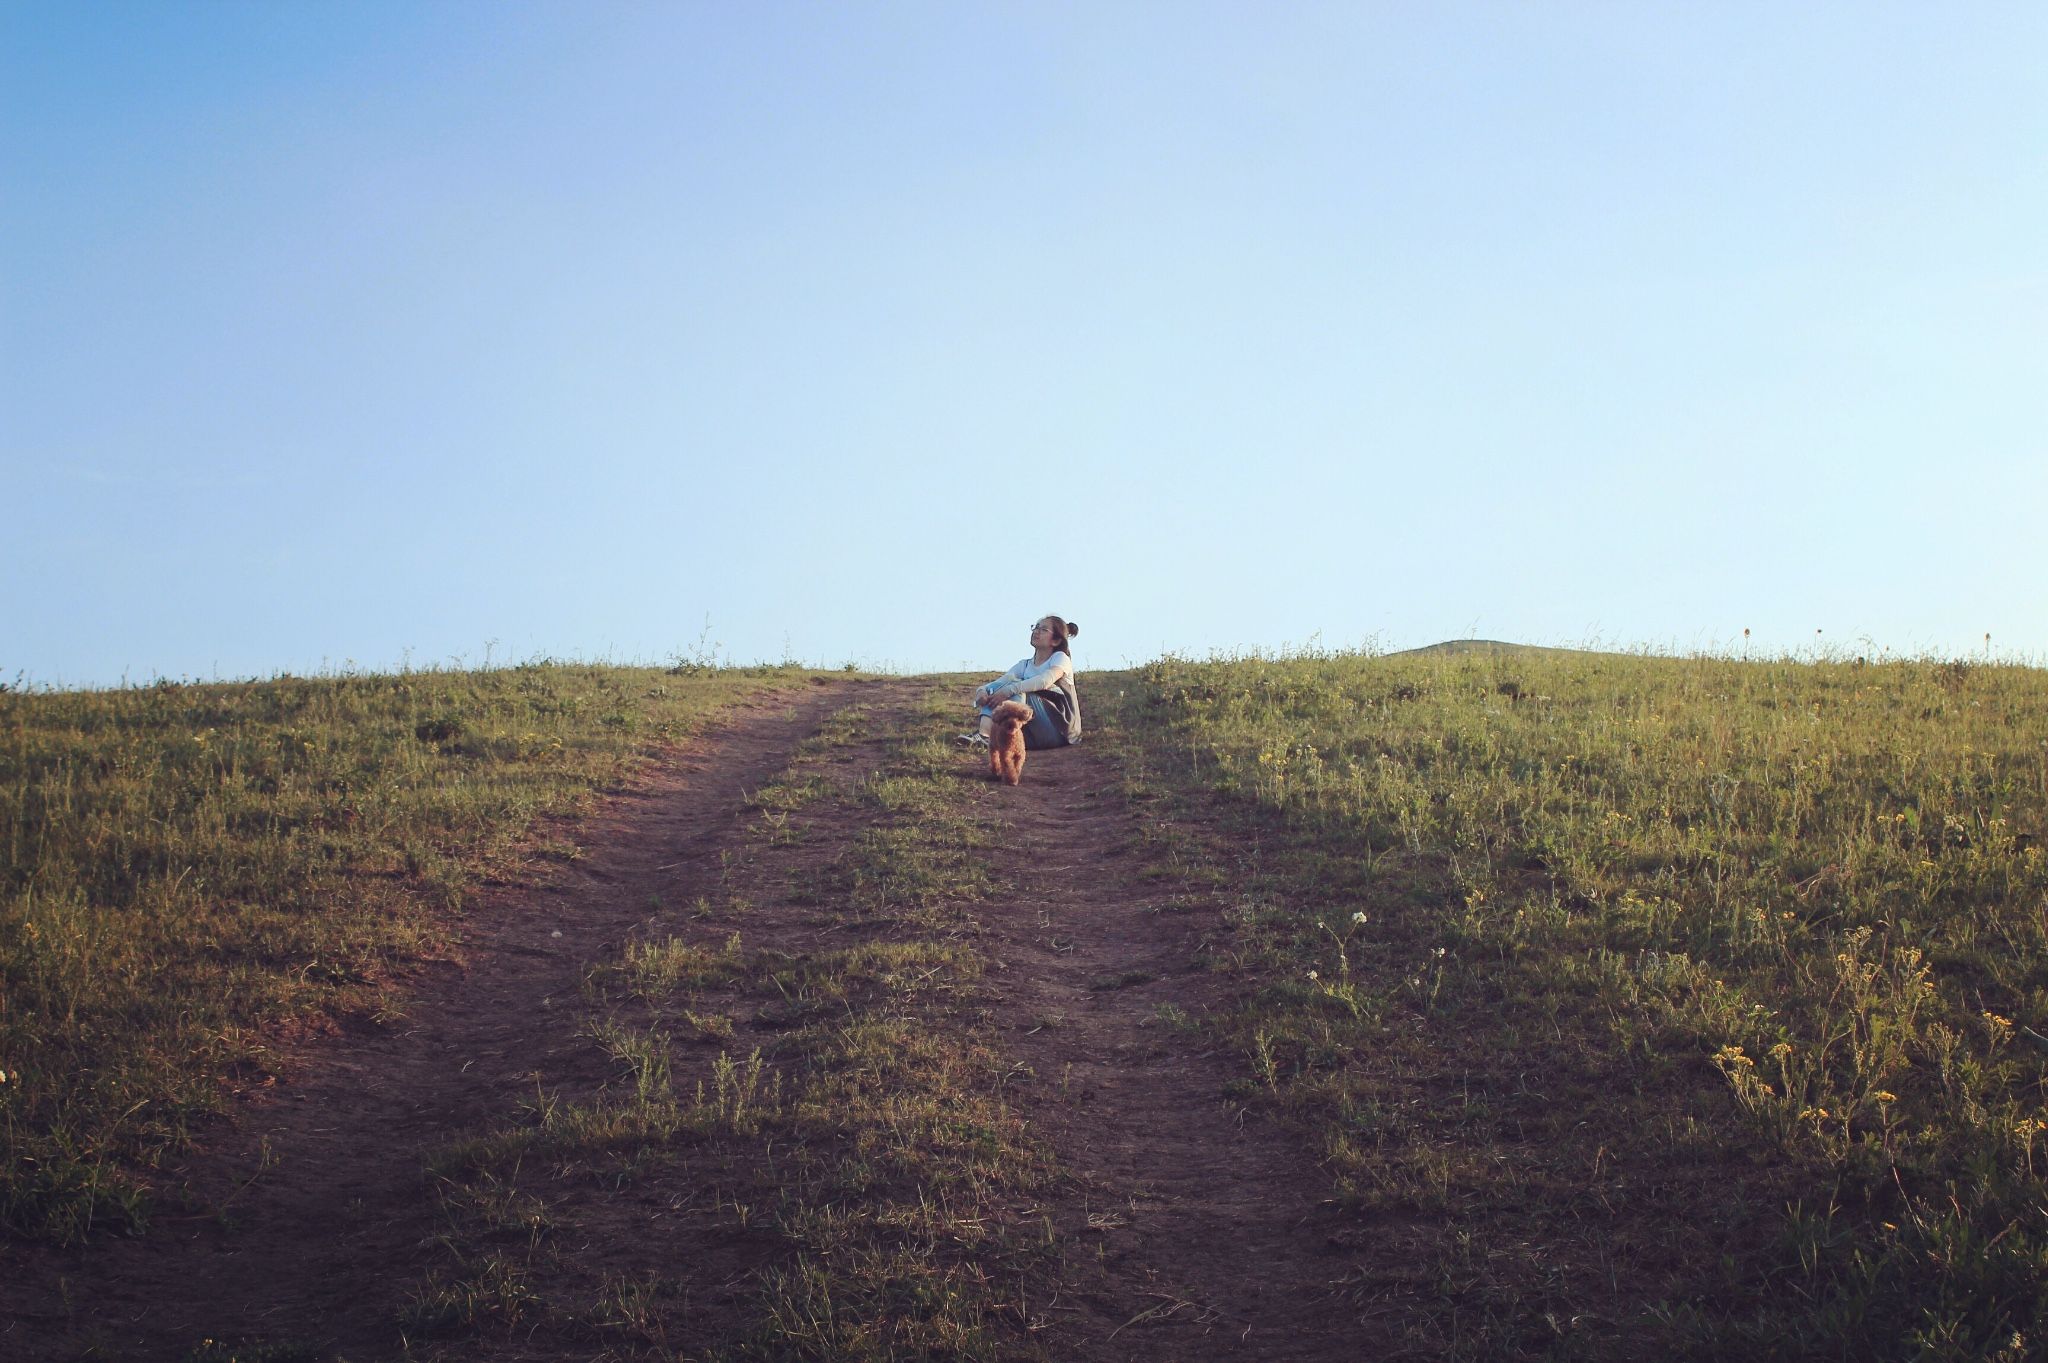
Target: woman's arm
1022, 678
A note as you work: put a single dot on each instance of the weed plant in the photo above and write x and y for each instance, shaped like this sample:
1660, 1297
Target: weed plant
1791, 915
184, 869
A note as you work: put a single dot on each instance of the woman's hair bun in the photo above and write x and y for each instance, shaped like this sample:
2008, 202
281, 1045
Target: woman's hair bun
1072, 629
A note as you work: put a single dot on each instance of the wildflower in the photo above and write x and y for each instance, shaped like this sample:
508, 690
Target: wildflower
1358, 917
1732, 1055
1814, 1114
1885, 1096
1313, 975
1438, 953
1781, 1050
1998, 1024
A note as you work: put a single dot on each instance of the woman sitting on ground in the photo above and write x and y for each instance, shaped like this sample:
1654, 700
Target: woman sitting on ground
1045, 682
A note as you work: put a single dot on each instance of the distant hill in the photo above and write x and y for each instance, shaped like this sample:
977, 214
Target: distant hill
1480, 646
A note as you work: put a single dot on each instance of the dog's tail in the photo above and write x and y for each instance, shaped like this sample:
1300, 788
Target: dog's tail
1014, 709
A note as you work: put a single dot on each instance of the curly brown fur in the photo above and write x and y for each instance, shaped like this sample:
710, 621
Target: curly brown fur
1006, 742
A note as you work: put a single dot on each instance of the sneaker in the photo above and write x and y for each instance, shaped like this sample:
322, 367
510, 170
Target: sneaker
971, 740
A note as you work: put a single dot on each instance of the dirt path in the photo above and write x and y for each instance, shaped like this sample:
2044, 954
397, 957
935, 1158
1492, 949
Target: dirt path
1212, 1239
1186, 1230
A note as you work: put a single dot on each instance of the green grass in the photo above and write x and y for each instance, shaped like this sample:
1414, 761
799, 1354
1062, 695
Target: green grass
1777, 931
186, 869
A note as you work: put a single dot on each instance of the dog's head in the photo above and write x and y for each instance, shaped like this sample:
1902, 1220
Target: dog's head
1012, 713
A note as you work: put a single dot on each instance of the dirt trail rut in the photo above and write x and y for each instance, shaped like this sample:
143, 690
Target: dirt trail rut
1211, 1231
321, 1244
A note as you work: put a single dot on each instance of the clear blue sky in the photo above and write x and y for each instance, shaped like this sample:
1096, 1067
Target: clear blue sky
356, 331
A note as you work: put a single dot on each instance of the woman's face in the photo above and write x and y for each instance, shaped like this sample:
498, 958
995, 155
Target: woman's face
1041, 636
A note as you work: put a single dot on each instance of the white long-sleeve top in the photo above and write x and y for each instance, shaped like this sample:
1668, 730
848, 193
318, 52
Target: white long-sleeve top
1030, 676
1055, 673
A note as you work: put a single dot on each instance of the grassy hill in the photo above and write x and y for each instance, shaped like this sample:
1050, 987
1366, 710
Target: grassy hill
1539, 953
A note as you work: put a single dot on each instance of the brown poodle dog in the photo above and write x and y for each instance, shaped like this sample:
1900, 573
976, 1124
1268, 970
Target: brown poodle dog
1006, 742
